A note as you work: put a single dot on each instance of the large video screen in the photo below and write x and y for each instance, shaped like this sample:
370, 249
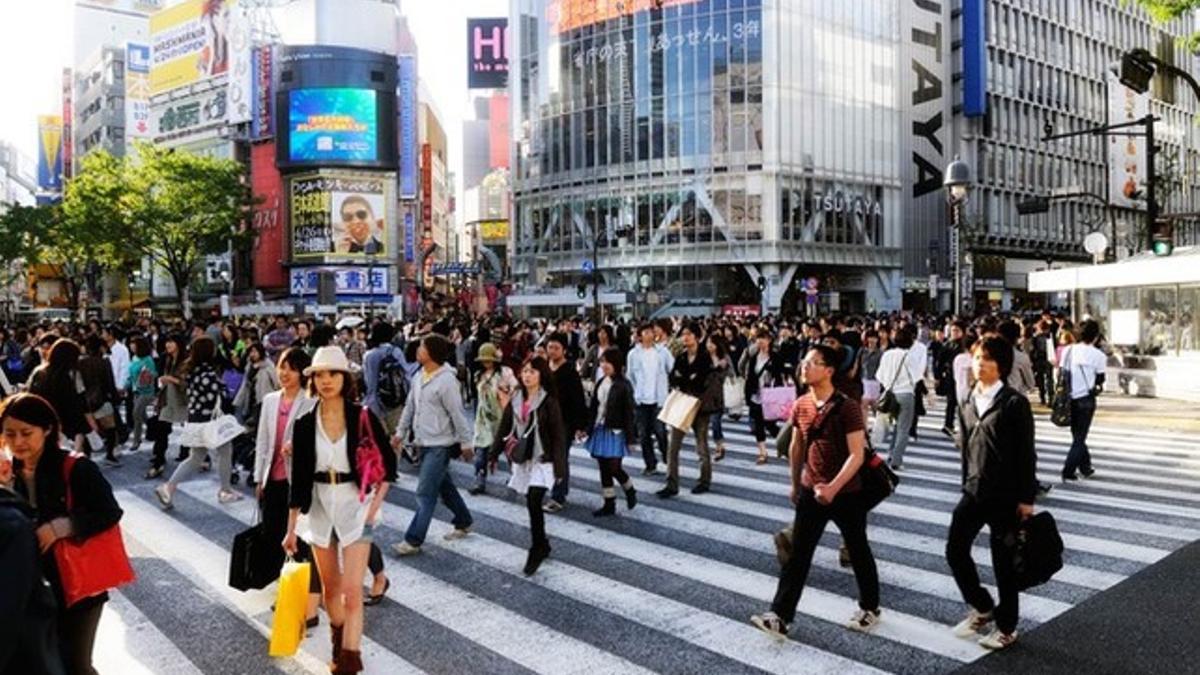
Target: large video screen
332, 125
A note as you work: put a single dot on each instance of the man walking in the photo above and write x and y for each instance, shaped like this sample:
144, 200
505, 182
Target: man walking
649, 369
440, 432
569, 388
1086, 364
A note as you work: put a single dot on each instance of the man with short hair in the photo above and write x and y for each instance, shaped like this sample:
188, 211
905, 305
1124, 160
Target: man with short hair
119, 359
1086, 364
569, 388
279, 339
649, 370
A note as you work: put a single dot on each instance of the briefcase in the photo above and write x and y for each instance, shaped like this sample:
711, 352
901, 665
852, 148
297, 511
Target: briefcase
1037, 551
254, 562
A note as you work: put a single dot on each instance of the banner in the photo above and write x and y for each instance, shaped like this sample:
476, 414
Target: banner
338, 216
410, 235
50, 144
186, 116
487, 53
241, 67
68, 109
189, 43
565, 15
348, 280
406, 100
137, 91
493, 231
262, 121
1126, 154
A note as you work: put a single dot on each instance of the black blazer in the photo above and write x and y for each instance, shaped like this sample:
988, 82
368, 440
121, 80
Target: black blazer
776, 371
999, 461
304, 452
618, 410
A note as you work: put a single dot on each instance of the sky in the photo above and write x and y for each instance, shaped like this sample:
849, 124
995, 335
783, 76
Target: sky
36, 43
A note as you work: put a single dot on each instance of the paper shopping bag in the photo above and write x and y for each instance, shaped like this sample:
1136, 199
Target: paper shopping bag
288, 627
679, 410
777, 402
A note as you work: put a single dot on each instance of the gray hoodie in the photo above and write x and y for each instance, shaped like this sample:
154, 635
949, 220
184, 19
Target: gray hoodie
434, 411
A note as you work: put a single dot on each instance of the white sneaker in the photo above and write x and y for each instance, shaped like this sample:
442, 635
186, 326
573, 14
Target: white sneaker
164, 497
405, 549
864, 621
771, 624
997, 640
975, 622
228, 496
457, 533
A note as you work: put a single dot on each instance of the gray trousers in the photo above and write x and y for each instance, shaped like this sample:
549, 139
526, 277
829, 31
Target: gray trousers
140, 403
196, 457
900, 426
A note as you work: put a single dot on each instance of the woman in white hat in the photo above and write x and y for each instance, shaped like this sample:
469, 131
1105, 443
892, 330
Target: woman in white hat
339, 485
494, 384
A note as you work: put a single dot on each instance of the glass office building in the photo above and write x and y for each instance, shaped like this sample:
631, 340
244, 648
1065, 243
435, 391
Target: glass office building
699, 150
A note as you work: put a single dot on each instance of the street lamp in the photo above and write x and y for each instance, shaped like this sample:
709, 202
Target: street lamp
134, 276
957, 182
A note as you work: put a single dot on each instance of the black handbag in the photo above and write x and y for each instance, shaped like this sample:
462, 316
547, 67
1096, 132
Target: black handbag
888, 405
254, 562
1037, 550
1060, 407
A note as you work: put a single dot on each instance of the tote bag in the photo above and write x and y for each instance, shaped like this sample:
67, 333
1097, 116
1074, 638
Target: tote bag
777, 402
679, 410
287, 630
735, 394
89, 567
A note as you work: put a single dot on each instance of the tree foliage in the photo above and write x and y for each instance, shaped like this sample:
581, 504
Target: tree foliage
1166, 11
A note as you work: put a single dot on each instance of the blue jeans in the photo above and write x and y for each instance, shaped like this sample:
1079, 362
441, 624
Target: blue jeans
432, 481
481, 462
651, 430
714, 423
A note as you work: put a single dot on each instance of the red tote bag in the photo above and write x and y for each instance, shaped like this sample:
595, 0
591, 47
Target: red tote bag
91, 566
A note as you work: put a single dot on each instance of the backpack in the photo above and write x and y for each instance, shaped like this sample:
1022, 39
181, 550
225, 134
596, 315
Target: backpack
393, 384
145, 379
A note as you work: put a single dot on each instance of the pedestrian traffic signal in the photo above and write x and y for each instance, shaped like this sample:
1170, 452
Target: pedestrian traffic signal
1162, 238
581, 291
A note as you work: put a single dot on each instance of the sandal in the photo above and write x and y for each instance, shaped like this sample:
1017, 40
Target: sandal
720, 453
762, 459
372, 600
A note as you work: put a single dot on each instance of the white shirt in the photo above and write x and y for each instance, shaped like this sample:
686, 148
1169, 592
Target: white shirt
602, 399
1084, 361
962, 376
984, 396
331, 455
900, 379
118, 359
648, 372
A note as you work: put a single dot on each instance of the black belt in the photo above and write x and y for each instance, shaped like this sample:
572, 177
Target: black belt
332, 477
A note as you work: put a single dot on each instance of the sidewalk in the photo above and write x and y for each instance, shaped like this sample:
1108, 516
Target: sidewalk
1120, 410
1146, 624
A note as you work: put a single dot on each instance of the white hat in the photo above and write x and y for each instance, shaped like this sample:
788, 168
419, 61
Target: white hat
328, 358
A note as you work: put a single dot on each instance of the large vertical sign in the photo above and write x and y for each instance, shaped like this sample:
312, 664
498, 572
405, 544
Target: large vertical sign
241, 67
487, 53
50, 137
1126, 154
68, 109
262, 119
427, 185
498, 126
137, 91
270, 217
927, 95
190, 42
406, 101
974, 58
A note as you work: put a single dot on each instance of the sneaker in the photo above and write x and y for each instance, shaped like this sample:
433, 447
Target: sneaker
229, 496
1044, 489
405, 549
457, 533
864, 621
164, 497
667, 493
771, 624
1069, 477
948, 432
700, 488
1087, 473
477, 489
997, 640
651, 471
975, 622
153, 472
552, 506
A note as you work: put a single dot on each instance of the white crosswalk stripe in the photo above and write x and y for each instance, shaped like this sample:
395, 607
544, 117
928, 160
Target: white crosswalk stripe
675, 579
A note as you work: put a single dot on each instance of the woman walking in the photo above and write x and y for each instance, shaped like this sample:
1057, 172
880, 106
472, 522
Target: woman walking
494, 381
612, 430
170, 405
204, 401
532, 425
761, 367
143, 376
59, 382
718, 353
100, 391
78, 505
339, 480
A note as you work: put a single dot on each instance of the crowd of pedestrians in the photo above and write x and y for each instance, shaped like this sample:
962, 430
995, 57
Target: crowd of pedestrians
333, 414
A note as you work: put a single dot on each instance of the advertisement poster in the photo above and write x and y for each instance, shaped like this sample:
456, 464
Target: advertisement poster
241, 67
137, 90
188, 116
1126, 154
334, 215
487, 53
332, 125
262, 121
68, 109
406, 99
50, 137
190, 43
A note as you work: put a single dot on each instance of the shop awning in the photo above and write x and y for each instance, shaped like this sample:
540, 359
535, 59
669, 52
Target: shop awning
1145, 269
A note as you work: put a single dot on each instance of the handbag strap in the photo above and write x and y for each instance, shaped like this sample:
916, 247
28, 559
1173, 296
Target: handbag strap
364, 427
68, 470
899, 368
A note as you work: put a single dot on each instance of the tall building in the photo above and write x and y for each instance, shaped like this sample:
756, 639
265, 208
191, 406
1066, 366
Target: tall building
99, 101
707, 150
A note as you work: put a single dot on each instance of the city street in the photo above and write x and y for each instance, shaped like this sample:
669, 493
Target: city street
667, 587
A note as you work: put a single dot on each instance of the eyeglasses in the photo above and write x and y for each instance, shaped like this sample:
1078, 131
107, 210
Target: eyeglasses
360, 214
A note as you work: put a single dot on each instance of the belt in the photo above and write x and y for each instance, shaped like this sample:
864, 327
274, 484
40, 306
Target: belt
332, 477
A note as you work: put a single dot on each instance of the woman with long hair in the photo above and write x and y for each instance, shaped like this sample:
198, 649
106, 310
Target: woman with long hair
762, 367
341, 504
171, 402
59, 382
31, 431
718, 353
204, 400
539, 454
100, 391
612, 416
143, 377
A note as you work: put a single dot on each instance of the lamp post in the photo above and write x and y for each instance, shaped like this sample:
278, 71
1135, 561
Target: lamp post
957, 183
134, 276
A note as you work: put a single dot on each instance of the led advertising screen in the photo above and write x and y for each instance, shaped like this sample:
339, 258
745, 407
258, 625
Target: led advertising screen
336, 125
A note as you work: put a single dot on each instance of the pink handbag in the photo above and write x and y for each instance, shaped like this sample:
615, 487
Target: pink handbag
777, 402
371, 470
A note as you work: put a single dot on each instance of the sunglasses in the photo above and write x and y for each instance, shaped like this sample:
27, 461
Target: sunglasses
360, 214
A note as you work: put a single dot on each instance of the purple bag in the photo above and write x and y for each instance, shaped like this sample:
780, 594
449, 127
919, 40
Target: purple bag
777, 402
232, 381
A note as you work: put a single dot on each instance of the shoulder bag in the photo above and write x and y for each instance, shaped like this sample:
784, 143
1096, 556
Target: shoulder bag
888, 405
89, 567
368, 457
520, 448
1060, 409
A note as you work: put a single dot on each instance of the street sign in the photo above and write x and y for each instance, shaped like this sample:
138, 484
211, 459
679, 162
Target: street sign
933, 286
587, 267
811, 290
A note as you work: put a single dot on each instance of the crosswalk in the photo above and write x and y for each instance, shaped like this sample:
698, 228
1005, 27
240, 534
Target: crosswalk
667, 587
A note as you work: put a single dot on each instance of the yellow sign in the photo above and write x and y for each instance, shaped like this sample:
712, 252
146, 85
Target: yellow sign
565, 15
189, 43
492, 230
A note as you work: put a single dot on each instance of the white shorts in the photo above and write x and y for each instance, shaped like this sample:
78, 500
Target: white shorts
532, 474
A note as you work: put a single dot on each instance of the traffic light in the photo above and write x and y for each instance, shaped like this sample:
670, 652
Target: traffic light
1162, 238
762, 283
581, 290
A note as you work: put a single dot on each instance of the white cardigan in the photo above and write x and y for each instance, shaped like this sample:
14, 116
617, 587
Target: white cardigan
264, 450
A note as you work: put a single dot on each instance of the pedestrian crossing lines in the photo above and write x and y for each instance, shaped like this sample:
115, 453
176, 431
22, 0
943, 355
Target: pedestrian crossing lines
667, 587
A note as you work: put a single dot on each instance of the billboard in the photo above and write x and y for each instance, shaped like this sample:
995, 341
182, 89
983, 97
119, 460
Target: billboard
406, 100
338, 216
332, 125
68, 109
50, 144
565, 15
262, 119
487, 53
184, 117
493, 231
269, 218
137, 90
189, 43
1126, 154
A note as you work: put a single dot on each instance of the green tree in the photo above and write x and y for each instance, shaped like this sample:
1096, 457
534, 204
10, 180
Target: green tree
174, 208
1166, 11
22, 228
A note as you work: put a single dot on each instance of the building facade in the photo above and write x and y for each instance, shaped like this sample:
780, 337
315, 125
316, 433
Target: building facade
99, 99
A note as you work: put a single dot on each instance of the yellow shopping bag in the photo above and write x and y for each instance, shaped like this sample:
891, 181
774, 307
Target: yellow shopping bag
287, 630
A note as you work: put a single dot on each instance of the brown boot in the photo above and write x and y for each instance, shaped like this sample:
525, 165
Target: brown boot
335, 636
349, 662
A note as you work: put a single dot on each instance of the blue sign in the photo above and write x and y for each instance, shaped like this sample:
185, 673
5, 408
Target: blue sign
406, 101
443, 269
410, 236
348, 280
332, 125
974, 59
587, 267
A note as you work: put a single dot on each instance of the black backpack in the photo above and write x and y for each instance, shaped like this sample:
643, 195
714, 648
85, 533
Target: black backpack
392, 389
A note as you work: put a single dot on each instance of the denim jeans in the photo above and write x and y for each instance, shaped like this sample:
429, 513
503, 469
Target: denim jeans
433, 481
714, 423
650, 430
900, 428
481, 462
1079, 457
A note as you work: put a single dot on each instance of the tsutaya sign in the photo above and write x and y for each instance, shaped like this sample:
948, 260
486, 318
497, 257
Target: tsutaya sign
840, 202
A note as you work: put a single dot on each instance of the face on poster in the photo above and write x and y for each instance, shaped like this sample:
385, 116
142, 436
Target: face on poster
333, 215
189, 43
332, 125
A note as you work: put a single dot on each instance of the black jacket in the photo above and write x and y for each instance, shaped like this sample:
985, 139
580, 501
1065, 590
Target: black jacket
568, 390
999, 462
27, 606
618, 410
304, 452
775, 370
692, 377
550, 432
